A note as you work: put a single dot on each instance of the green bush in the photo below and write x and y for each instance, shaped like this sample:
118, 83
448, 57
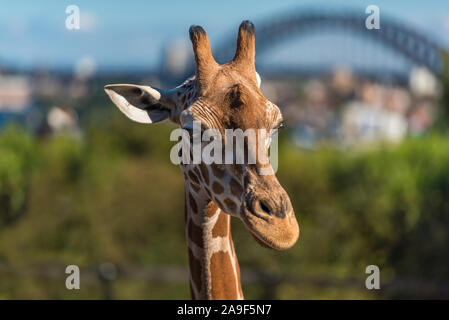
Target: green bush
16, 162
115, 196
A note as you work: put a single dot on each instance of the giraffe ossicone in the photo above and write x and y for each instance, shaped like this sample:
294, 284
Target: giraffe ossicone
221, 97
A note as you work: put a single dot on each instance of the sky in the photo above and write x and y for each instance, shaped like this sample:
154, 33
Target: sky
132, 34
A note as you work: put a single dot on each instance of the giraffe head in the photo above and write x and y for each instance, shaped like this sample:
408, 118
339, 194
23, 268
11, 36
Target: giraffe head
222, 97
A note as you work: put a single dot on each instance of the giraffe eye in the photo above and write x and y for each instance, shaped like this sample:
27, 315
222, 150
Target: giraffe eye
280, 126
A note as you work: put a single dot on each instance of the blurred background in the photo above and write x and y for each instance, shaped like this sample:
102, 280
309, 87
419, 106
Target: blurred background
364, 157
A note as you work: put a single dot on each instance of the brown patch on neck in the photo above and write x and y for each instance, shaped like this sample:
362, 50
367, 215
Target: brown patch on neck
198, 174
223, 282
236, 188
221, 227
217, 172
210, 209
217, 188
230, 205
195, 188
193, 178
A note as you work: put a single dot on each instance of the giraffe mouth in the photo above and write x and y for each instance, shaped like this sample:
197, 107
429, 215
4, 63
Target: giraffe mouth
272, 231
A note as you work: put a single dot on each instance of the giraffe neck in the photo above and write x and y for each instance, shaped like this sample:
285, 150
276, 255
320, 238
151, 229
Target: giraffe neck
214, 269
213, 265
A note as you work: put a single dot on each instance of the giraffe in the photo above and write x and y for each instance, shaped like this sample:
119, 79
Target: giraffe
221, 97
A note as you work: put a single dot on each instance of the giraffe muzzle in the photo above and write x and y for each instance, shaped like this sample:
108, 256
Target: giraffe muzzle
271, 220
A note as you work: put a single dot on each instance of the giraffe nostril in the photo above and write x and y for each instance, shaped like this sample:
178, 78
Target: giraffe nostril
287, 205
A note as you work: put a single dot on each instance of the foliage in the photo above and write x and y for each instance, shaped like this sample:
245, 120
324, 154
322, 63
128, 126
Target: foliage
16, 159
114, 196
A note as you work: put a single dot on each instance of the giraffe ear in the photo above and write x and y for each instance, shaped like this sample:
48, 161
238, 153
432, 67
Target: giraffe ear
142, 104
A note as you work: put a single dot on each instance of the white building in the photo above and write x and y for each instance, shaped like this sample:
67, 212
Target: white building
15, 93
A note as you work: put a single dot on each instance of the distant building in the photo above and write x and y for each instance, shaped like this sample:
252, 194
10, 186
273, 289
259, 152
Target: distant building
176, 59
63, 119
423, 83
15, 93
363, 123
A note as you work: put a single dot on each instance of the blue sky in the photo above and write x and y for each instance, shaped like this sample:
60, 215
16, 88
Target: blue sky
121, 34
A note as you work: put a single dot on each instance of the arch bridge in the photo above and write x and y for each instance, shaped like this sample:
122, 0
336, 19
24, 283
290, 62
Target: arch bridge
404, 40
